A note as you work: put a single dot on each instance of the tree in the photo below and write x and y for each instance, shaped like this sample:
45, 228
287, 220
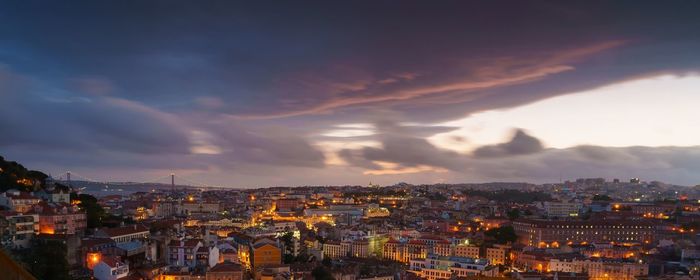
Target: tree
513, 213
601, 197
94, 212
322, 273
15, 176
288, 241
503, 235
47, 260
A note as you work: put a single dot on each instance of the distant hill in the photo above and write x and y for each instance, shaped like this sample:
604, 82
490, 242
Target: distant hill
15, 176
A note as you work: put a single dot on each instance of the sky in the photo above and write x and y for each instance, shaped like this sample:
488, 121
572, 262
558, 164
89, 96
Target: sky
291, 93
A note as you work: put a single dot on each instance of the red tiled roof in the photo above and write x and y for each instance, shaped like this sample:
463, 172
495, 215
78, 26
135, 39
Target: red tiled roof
20, 195
226, 267
260, 245
91, 242
111, 261
49, 209
112, 232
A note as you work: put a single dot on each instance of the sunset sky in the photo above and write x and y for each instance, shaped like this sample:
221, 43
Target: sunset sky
332, 93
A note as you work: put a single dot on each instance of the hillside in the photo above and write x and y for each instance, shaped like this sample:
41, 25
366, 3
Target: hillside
15, 176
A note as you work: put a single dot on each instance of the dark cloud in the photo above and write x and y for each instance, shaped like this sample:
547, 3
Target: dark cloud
265, 146
222, 86
524, 159
400, 146
43, 123
294, 59
36, 116
520, 144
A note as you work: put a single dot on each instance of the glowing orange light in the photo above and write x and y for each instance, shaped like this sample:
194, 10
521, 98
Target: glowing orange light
93, 259
47, 230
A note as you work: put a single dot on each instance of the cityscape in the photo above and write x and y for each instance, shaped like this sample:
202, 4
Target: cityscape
358, 140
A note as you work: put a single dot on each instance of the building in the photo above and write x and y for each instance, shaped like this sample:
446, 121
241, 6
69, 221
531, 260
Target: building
18, 201
228, 254
544, 233
124, 234
18, 229
562, 209
184, 252
110, 268
405, 251
375, 211
355, 248
55, 195
199, 207
225, 271
609, 251
333, 249
359, 248
287, 204
498, 254
60, 218
442, 267
207, 256
92, 250
164, 209
467, 250
600, 269
266, 253
654, 209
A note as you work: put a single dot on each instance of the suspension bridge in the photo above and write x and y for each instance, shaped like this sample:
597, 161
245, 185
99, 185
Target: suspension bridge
69, 178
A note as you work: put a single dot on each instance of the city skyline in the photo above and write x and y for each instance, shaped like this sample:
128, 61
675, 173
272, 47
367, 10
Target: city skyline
320, 93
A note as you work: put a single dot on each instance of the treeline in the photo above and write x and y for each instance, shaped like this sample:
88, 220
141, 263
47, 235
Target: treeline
375, 192
15, 176
512, 196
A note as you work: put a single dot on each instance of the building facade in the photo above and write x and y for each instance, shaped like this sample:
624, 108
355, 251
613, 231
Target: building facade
543, 233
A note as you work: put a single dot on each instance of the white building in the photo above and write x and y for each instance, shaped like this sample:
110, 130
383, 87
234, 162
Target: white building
18, 201
562, 209
438, 267
184, 252
110, 268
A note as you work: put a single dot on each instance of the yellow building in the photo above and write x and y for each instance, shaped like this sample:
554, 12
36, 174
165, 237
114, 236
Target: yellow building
266, 254
498, 254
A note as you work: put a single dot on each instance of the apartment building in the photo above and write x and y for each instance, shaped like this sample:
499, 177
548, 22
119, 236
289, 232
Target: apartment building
183, 253
467, 251
548, 233
17, 229
18, 201
445, 267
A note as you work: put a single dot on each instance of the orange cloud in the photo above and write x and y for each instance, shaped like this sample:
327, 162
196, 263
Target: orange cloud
491, 73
